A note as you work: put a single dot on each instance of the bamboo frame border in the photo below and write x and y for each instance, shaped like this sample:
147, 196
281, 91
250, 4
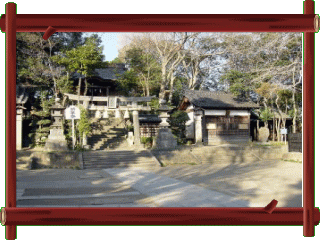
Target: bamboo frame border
310, 214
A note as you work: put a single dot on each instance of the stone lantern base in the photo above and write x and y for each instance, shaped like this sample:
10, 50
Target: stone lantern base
165, 139
56, 141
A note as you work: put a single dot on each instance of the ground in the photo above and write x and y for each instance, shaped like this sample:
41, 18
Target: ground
257, 183
252, 184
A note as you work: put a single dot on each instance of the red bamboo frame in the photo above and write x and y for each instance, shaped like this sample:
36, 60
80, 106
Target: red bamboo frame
155, 216
308, 128
308, 216
164, 22
11, 114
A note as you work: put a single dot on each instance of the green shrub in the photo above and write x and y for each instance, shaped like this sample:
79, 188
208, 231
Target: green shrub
177, 122
147, 141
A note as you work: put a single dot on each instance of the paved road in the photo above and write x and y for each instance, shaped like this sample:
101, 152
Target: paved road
119, 187
219, 185
75, 188
257, 183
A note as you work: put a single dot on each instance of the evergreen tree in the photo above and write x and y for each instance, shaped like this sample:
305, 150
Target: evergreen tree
41, 120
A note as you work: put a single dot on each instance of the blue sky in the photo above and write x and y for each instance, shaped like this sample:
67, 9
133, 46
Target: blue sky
109, 43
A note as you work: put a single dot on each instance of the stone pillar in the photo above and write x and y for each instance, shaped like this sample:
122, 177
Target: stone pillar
198, 128
117, 114
85, 139
19, 130
136, 127
86, 104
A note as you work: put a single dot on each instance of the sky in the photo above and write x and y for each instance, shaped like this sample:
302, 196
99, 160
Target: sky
109, 43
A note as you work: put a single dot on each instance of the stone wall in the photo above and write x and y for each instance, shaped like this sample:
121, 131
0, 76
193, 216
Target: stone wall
56, 160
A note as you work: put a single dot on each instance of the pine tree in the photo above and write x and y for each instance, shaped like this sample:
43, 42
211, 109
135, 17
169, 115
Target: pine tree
41, 120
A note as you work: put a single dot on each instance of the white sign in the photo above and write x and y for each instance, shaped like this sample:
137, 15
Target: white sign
112, 102
72, 112
283, 131
215, 112
239, 113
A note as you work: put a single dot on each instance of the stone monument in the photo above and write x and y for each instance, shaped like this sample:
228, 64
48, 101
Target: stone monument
165, 138
56, 140
264, 134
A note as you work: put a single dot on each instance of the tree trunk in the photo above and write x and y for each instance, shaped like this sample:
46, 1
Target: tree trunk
278, 129
86, 86
294, 120
257, 130
273, 127
172, 78
79, 90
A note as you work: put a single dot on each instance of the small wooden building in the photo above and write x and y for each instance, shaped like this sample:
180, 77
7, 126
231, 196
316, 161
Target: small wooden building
149, 125
216, 117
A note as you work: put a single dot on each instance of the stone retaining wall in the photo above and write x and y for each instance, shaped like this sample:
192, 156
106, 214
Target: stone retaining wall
55, 160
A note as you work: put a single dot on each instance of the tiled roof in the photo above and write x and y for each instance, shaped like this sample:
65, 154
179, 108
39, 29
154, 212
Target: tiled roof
150, 118
109, 73
221, 100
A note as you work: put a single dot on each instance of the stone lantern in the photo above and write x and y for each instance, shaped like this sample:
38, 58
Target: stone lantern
19, 117
56, 140
57, 111
21, 99
165, 138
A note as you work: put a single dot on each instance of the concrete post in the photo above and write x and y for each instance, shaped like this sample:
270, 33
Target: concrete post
19, 131
198, 128
136, 127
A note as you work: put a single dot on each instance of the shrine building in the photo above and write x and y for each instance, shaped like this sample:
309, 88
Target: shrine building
216, 117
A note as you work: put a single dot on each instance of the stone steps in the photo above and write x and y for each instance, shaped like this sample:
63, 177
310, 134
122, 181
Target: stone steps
107, 134
115, 159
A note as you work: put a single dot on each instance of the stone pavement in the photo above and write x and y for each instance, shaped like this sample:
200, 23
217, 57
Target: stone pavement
75, 188
215, 185
119, 187
170, 192
256, 182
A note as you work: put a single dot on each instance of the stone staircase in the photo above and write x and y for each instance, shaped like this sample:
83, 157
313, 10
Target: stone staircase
107, 134
118, 159
229, 153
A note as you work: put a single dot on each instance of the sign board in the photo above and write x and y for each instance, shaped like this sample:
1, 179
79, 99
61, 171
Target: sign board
112, 102
283, 131
72, 112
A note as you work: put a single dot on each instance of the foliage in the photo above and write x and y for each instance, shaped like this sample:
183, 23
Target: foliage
154, 104
83, 59
178, 90
147, 141
177, 122
144, 74
84, 125
130, 128
41, 120
266, 115
34, 59
239, 83
128, 83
